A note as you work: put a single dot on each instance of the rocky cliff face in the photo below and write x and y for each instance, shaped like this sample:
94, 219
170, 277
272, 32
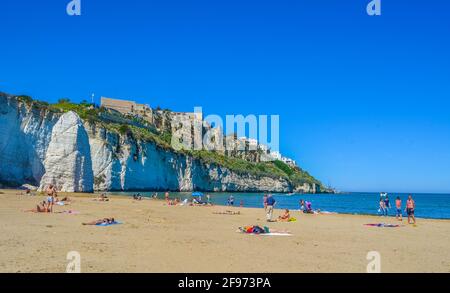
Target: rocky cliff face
68, 163
40, 147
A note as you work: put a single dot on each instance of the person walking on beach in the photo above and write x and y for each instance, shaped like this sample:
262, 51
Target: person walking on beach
270, 205
265, 202
398, 206
410, 207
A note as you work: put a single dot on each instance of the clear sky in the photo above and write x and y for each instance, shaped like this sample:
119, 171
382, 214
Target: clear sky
364, 102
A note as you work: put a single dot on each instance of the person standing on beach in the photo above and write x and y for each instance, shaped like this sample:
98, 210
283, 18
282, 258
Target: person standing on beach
231, 200
387, 205
166, 196
265, 202
51, 193
270, 205
208, 199
382, 206
410, 207
398, 206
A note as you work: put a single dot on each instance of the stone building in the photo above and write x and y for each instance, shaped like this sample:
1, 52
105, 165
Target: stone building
128, 107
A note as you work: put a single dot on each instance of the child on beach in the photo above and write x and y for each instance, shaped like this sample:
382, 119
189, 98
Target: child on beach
410, 207
398, 206
265, 201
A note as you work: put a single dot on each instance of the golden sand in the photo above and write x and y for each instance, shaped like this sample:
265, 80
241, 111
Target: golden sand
159, 238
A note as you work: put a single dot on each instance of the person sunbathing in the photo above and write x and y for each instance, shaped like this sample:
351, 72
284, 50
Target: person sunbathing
64, 200
40, 208
285, 217
100, 221
259, 230
137, 197
231, 213
102, 197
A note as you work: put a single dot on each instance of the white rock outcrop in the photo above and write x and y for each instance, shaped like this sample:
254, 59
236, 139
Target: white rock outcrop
67, 163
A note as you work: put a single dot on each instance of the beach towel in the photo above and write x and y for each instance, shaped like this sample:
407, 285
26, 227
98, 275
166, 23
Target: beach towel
70, 212
383, 225
269, 234
274, 234
108, 224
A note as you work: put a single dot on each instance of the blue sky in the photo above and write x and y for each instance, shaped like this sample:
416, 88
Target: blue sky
364, 102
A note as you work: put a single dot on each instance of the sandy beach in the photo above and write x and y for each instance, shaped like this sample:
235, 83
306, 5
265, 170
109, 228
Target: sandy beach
155, 237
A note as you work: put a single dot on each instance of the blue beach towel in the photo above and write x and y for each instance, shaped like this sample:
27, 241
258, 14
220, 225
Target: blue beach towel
108, 224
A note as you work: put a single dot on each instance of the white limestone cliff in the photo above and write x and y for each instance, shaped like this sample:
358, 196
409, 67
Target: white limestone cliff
67, 163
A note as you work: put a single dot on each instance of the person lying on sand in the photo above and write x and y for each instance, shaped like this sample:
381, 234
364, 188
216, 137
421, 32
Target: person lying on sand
259, 230
197, 202
100, 221
285, 217
102, 197
40, 208
137, 196
64, 200
231, 213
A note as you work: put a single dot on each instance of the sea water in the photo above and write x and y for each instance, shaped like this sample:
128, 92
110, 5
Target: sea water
428, 205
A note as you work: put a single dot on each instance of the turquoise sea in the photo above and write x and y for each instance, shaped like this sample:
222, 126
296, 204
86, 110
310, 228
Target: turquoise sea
428, 205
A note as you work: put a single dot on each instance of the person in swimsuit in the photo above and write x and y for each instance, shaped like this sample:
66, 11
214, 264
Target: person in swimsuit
231, 200
40, 208
398, 206
285, 217
102, 197
387, 205
100, 221
410, 207
382, 207
302, 205
166, 197
259, 230
51, 193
